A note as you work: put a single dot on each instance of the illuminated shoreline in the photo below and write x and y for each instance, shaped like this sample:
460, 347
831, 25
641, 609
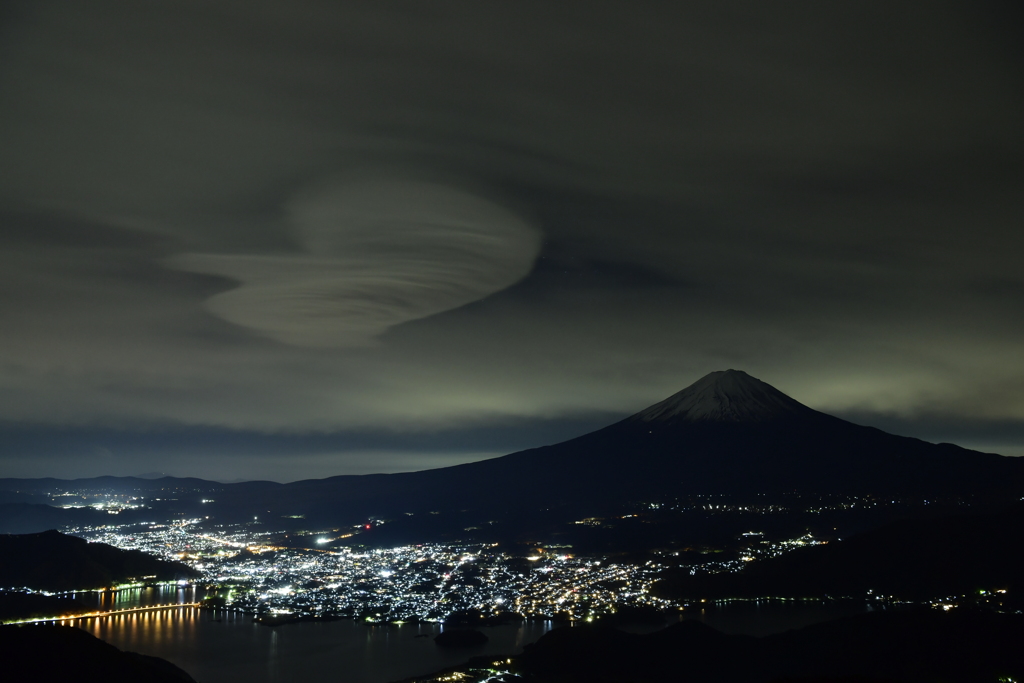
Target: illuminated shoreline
110, 613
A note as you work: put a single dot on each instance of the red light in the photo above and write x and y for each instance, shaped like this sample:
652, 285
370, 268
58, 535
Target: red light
367, 526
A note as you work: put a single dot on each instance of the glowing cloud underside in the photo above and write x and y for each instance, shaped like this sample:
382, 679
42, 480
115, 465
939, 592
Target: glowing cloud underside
376, 255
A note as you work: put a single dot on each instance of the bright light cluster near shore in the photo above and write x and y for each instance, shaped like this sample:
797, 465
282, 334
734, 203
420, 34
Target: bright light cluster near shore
421, 582
281, 574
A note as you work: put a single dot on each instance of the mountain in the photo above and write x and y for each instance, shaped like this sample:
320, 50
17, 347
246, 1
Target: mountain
151, 475
54, 562
725, 396
728, 433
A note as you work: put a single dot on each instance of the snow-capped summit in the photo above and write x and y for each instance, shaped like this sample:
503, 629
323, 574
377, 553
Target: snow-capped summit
725, 396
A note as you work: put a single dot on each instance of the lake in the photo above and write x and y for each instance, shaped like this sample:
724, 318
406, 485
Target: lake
231, 646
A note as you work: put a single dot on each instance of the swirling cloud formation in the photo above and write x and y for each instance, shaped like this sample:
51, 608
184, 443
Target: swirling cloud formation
375, 254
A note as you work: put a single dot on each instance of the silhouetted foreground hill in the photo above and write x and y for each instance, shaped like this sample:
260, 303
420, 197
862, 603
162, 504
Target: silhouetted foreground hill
65, 653
55, 562
920, 645
911, 559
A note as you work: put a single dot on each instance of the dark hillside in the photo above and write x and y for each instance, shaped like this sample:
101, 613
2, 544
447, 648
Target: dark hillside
65, 653
55, 562
911, 559
920, 645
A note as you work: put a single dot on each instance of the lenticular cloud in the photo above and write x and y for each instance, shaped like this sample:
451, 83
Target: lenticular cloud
375, 254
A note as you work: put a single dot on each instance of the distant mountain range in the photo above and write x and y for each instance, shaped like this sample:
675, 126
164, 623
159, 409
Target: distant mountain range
727, 433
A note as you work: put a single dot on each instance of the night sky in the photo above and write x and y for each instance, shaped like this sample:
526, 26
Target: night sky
297, 238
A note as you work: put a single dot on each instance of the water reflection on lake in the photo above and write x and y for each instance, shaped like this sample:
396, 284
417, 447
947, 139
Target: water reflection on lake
141, 596
230, 646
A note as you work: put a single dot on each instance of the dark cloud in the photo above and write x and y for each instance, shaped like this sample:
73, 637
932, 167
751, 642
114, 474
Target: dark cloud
310, 217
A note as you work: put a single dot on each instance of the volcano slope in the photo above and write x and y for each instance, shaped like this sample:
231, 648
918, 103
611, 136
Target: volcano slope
728, 433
